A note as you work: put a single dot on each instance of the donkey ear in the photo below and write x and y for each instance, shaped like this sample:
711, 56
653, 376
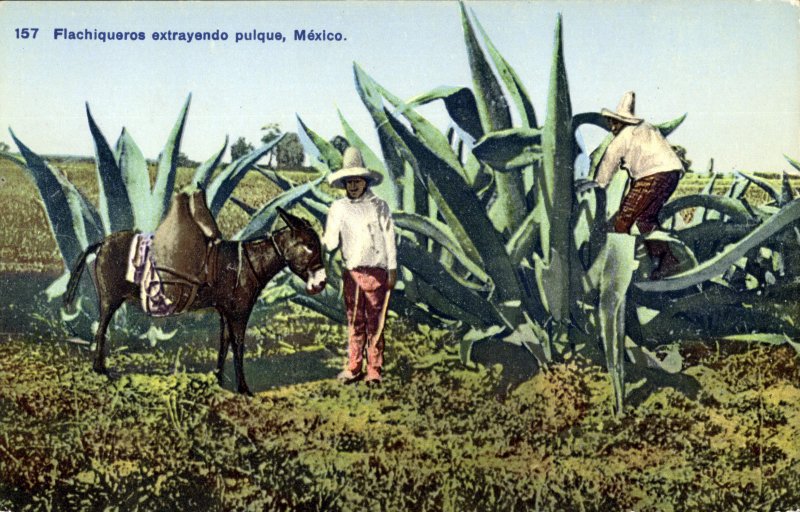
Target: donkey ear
286, 217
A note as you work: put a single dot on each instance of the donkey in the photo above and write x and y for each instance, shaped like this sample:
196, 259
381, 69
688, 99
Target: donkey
238, 273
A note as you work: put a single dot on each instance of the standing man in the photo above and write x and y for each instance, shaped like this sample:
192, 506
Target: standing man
362, 224
654, 169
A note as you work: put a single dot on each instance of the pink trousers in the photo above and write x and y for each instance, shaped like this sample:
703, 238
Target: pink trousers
364, 295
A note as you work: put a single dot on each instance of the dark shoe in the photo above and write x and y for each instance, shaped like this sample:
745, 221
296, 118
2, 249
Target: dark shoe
348, 377
373, 383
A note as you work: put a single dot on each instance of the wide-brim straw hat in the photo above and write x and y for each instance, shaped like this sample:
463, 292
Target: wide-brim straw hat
625, 109
353, 167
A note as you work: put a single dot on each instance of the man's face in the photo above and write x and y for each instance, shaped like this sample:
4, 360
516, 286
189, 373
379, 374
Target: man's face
355, 187
615, 126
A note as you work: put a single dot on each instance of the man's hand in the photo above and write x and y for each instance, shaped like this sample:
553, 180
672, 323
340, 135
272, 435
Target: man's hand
584, 185
392, 279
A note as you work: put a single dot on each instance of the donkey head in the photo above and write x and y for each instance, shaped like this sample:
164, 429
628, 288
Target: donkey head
302, 251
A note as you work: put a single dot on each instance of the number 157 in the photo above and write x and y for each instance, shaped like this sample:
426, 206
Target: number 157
26, 33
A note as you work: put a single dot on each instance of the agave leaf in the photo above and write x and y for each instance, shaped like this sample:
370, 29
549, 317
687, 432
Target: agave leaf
787, 192
167, 167
249, 210
262, 220
555, 187
202, 175
641, 356
701, 214
670, 126
133, 168
441, 234
613, 271
325, 152
706, 238
766, 187
524, 241
73, 221
738, 188
593, 118
732, 208
424, 266
228, 179
514, 85
444, 306
507, 211
324, 303
393, 148
115, 207
457, 196
387, 190
460, 104
682, 323
492, 105
717, 265
511, 149
794, 163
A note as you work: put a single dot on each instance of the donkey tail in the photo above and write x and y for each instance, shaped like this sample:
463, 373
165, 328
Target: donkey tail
77, 270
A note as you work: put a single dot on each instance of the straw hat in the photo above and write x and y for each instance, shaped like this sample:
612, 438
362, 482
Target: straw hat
624, 113
353, 167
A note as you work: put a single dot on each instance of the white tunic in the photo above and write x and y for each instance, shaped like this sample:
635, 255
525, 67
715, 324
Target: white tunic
641, 150
365, 229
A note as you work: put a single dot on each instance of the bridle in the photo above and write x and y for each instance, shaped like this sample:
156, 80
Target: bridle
271, 238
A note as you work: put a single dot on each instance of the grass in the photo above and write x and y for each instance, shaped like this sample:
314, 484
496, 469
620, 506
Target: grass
437, 436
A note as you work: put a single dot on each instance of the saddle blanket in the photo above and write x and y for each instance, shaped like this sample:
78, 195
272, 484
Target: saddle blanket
142, 271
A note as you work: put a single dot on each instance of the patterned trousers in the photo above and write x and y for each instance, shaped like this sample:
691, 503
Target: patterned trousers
641, 205
364, 296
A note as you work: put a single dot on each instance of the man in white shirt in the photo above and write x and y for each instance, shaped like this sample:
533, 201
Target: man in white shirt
654, 169
361, 223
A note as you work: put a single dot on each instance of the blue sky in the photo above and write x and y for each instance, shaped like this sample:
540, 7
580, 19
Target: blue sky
732, 65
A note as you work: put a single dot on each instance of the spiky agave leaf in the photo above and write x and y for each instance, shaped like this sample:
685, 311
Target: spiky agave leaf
763, 185
73, 221
262, 220
456, 194
510, 150
323, 151
507, 210
114, 201
787, 192
228, 179
733, 209
202, 175
555, 195
516, 89
441, 234
133, 168
613, 272
164, 185
718, 264
460, 104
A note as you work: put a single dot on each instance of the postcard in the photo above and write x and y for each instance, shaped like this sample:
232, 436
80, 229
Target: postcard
424, 256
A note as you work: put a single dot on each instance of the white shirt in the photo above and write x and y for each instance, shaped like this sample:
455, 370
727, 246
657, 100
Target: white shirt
365, 228
639, 149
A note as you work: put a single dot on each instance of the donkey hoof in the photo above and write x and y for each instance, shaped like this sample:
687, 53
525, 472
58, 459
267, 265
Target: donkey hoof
101, 369
245, 391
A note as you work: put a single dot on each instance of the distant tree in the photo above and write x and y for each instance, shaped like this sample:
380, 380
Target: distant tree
271, 132
184, 161
240, 148
340, 143
289, 152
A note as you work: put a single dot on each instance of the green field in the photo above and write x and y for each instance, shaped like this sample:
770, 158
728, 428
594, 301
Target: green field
162, 435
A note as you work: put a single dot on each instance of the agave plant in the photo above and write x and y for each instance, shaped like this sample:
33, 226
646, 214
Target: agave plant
494, 240
127, 201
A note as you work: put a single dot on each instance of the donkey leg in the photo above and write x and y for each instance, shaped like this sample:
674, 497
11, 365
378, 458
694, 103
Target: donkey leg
224, 341
106, 313
238, 327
